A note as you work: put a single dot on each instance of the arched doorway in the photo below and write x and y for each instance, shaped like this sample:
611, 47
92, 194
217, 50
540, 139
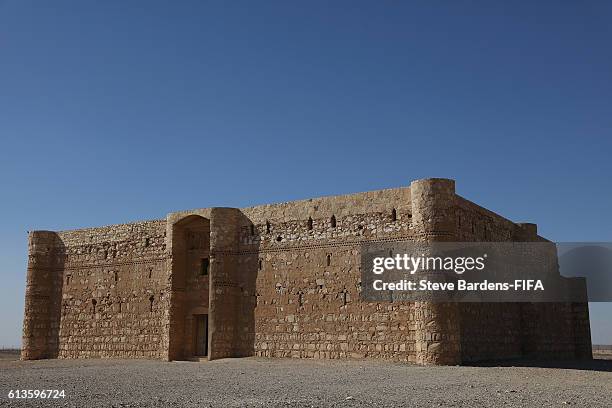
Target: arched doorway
190, 280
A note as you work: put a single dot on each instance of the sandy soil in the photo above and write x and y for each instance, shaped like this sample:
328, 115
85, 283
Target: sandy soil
252, 382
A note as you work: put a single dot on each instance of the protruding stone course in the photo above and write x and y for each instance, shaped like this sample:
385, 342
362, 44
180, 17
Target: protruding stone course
280, 280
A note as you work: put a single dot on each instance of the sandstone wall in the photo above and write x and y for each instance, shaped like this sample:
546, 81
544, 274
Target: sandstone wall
111, 286
513, 330
308, 277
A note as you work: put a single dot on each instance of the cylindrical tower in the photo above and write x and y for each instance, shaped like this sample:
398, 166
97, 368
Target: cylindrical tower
42, 297
437, 324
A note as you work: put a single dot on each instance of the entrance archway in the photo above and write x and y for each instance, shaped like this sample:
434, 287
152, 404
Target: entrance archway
190, 280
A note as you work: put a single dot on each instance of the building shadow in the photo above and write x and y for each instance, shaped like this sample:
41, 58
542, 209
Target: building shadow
596, 364
249, 266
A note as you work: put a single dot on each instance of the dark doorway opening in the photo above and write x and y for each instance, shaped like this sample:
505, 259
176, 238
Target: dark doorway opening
201, 335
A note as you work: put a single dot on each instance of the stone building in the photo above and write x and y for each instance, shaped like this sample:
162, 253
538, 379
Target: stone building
278, 280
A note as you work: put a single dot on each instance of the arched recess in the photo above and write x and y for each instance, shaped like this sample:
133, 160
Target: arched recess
190, 286
230, 294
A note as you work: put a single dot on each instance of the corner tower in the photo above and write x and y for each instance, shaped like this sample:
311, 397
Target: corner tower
437, 333
43, 297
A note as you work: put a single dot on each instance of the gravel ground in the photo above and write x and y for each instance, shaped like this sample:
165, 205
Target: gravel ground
252, 382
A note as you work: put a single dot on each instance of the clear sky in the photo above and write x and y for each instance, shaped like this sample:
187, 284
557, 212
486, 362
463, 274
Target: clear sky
115, 111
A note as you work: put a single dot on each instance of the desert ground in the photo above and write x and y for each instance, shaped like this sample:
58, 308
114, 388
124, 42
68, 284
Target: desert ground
254, 382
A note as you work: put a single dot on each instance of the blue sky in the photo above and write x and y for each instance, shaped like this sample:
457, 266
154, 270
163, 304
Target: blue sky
119, 111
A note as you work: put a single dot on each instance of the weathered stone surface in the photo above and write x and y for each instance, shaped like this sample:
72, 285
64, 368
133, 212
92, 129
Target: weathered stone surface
280, 280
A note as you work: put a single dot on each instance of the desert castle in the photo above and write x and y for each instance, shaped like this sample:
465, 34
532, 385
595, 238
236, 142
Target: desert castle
278, 280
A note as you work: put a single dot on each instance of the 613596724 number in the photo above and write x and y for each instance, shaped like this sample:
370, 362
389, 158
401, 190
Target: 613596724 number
34, 394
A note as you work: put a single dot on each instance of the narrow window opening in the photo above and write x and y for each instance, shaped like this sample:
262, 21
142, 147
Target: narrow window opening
68, 280
267, 227
150, 272
309, 224
301, 298
393, 215
328, 260
332, 221
116, 276
344, 297
93, 304
252, 229
151, 299
204, 265
147, 242
260, 264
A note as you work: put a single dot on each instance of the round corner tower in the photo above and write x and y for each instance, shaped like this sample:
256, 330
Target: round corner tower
42, 298
433, 220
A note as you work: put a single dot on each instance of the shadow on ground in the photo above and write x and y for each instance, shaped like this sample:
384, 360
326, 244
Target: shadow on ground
601, 363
